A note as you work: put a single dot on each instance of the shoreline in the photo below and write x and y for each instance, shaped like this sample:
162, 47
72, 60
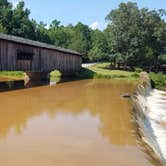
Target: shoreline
99, 70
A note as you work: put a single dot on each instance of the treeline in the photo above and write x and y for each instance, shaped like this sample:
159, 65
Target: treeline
133, 37
92, 44
137, 36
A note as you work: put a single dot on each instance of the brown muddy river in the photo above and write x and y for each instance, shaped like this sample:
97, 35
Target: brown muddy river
80, 123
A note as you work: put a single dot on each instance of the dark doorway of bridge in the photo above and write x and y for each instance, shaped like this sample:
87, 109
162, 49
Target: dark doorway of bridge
24, 60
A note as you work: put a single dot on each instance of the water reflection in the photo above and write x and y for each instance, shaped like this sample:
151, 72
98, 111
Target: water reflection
98, 99
9, 84
74, 123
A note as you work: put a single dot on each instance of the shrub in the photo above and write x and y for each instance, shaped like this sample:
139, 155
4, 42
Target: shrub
138, 70
136, 75
159, 80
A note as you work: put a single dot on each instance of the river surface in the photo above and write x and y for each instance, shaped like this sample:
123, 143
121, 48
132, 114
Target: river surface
79, 123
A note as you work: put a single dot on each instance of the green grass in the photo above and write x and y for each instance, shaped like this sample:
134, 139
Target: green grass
55, 76
55, 73
101, 71
98, 71
21, 74
12, 74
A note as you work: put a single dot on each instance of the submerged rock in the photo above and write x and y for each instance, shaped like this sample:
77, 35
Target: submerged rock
125, 95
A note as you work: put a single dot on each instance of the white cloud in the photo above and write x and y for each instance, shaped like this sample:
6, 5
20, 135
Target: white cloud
95, 25
98, 25
14, 2
47, 26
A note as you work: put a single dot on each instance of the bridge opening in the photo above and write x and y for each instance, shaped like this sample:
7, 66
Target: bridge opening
24, 56
24, 60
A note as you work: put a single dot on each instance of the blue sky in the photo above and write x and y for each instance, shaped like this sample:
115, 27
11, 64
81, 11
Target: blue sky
90, 12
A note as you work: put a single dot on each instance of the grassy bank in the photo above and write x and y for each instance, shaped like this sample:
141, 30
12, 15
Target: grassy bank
158, 80
96, 71
16, 75
101, 71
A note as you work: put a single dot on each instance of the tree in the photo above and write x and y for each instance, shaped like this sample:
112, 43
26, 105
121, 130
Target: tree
139, 35
21, 24
6, 15
154, 35
42, 33
99, 51
55, 24
124, 28
81, 40
59, 35
2, 29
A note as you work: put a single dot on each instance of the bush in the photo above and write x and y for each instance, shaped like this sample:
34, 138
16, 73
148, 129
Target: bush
138, 70
55, 73
136, 75
159, 80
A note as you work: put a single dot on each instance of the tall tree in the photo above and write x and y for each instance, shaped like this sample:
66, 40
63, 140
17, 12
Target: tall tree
81, 39
99, 51
6, 16
21, 24
59, 35
42, 33
137, 34
124, 27
154, 32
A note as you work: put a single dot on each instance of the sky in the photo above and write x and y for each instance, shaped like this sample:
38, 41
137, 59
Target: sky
89, 12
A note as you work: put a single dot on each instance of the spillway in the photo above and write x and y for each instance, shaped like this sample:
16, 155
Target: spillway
150, 114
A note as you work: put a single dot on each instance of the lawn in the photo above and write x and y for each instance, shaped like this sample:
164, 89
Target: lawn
97, 71
101, 71
12, 74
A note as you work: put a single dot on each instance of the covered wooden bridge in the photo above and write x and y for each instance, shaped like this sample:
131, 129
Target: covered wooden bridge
20, 54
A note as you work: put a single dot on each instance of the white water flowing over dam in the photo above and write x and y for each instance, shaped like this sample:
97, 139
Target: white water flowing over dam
150, 114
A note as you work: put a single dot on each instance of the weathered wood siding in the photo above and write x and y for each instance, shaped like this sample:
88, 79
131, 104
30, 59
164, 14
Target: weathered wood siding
44, 60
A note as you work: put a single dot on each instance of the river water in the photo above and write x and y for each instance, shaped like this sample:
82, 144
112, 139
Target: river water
79, 123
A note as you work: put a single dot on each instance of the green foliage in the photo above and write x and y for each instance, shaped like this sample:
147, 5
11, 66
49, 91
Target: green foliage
100, 71
162, 59
55, 76
124, 30
6, 15
12, 74
138, 70
81, 39
139, 35
2, 29
119, 58
96, 54
99, 51
135, 75
159, 80
42, 33
55, 73
133, 37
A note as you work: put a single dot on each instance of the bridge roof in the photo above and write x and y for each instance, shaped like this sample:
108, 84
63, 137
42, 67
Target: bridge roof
35, 43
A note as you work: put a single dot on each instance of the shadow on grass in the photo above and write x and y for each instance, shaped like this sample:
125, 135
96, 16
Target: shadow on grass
88, 74
85, 74
127, 68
